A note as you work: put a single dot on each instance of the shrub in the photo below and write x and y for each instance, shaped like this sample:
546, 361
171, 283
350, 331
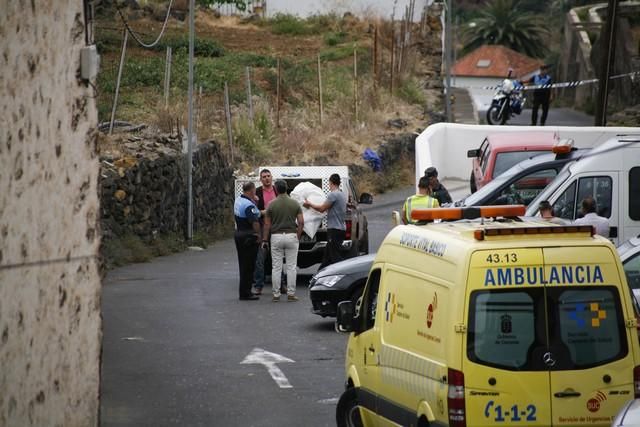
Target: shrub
411, 91
288, 24
254, 140
333, 39
201, 47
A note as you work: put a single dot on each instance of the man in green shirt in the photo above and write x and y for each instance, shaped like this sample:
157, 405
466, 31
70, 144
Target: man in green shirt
422, 200
283, 219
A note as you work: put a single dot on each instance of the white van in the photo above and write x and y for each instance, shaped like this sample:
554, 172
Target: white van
610, 173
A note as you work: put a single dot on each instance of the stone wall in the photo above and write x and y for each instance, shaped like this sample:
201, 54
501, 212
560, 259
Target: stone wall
50, 326
147, 196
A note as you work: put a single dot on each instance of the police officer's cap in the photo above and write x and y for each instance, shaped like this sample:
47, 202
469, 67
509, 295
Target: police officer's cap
431, 171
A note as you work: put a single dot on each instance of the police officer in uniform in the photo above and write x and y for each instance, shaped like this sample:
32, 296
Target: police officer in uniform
422, 200
247, 218
541, 96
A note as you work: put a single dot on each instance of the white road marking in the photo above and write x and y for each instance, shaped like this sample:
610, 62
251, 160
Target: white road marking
132, 338
259, 356
330, 401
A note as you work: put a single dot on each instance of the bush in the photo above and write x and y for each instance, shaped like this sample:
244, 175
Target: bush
334, 39
254, 140
411, 91
288, 24
201, 47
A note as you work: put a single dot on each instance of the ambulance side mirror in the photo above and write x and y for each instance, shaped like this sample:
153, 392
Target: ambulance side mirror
345, 317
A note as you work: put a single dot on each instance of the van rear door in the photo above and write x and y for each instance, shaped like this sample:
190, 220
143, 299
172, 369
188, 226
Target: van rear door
589, 358
505, 381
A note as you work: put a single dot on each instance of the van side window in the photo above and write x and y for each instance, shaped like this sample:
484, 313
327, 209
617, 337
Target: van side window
634, 193
598, 187
370, 300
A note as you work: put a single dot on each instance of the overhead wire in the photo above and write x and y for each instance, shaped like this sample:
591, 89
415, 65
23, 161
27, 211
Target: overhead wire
135, 36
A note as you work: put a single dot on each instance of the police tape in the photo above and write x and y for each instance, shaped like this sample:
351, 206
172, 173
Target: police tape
633, 76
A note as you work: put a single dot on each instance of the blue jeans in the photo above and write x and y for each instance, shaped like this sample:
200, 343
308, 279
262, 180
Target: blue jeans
258, 275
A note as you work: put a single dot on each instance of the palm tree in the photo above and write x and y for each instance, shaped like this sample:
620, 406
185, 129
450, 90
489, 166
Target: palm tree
504, 23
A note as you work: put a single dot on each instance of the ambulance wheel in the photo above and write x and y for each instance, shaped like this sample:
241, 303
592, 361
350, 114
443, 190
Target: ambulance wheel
422, 422
347, 412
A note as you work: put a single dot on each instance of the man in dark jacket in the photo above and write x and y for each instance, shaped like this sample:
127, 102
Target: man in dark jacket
438, 191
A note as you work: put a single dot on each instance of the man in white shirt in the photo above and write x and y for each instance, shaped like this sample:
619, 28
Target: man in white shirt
600, 223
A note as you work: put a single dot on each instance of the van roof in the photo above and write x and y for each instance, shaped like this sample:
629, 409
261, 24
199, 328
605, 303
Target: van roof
526, 140
607, 156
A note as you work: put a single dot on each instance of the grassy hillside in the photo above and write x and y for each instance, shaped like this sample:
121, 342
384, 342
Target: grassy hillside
225, 46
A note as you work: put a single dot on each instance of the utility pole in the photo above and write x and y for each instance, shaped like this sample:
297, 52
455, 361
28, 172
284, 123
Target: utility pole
190, 125
608, 57
447, 47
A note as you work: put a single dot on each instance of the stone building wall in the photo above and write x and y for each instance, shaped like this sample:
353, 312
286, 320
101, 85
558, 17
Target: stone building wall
50, 326
149, 196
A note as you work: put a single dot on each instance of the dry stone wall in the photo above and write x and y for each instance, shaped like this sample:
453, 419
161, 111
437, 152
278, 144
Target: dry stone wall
50, 327
148, 196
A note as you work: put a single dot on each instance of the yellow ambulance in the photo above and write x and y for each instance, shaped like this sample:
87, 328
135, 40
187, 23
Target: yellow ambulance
490, 320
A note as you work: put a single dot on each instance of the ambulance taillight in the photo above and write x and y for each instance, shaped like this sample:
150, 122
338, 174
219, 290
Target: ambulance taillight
455, 398
636, 382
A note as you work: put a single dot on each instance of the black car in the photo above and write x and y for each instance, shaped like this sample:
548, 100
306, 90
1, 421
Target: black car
521, 183
338, 282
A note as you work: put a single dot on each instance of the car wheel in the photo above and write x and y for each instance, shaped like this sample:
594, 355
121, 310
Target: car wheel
472, 183
347, 412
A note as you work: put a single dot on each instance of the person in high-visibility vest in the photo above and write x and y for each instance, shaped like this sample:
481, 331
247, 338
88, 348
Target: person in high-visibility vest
422, 200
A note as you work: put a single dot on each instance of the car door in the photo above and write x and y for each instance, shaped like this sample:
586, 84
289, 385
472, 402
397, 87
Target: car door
589, 358
365, 347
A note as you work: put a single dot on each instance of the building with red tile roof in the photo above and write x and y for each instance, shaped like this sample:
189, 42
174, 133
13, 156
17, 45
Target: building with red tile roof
484, 68
495, 61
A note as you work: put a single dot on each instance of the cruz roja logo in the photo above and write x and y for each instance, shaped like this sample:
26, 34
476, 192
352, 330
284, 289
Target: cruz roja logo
390, 307
593, 404
431, 309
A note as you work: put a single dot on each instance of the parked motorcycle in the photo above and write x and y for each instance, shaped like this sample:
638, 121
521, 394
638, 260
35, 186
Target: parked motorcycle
508, 101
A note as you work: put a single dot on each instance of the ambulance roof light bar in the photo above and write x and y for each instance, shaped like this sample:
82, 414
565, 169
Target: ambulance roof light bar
491, 232
469, 212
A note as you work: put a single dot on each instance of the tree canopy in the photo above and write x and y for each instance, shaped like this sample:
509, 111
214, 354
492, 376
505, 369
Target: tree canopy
506, 23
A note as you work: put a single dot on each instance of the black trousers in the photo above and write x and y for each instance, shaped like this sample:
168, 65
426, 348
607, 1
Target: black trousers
333, 250
247, 247
537, 103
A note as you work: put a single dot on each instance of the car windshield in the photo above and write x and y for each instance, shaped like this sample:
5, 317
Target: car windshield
477, 198
505, 160
564, 174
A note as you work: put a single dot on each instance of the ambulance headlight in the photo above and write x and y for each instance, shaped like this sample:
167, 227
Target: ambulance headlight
329, 281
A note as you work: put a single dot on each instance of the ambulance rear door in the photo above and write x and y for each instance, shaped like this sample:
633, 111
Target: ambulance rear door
505, 381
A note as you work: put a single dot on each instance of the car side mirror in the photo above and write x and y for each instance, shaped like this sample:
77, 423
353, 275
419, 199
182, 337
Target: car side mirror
366, 198
345, 317
473, 153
